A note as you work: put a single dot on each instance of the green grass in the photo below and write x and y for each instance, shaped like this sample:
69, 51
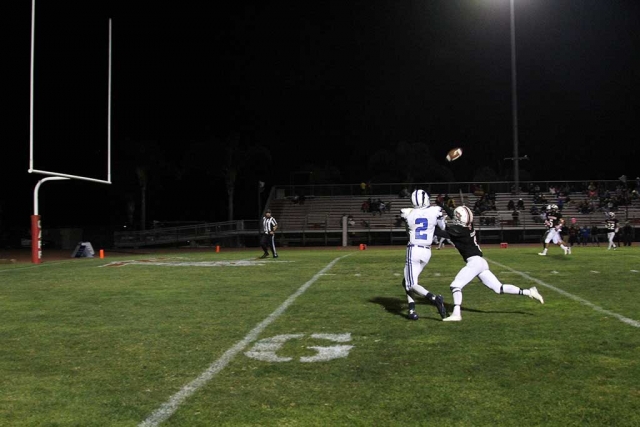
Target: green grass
88, 346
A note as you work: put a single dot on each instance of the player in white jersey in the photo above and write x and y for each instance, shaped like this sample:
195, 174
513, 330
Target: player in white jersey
420, 221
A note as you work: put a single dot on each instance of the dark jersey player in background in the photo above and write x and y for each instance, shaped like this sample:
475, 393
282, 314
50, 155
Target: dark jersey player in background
463, 236
611, 224
554, 223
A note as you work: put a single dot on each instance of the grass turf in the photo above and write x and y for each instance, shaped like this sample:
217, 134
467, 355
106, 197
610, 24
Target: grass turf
84, 345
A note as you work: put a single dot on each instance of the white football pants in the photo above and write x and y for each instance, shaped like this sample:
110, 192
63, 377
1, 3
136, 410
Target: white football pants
476, 266
416, 260
553, 235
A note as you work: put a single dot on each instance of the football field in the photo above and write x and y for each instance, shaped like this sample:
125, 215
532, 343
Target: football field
319, 337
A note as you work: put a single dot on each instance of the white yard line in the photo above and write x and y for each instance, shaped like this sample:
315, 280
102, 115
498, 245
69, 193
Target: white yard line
583, 301
20, 268
168, 408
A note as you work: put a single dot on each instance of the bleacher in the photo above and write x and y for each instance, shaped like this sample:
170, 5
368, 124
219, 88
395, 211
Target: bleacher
318, 220
323, 214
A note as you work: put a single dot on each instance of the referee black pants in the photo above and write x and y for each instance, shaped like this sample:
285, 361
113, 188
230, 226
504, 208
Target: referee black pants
268, 241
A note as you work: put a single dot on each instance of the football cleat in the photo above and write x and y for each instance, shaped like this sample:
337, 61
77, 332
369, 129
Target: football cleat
452, 318
566, 251
275, 256
412, 315
264, 256
534, 294
542, 253
439, 303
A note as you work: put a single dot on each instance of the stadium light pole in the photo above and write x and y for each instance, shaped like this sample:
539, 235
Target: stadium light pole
514, 99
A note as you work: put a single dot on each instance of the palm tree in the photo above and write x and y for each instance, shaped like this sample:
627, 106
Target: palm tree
237, 160
146, 158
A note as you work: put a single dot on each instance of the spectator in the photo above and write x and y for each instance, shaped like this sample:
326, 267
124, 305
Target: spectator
451, 203
363, 188
365, 206
516, 217
585, 235
573, 235
381, 207
520, 205
511, 205
594, 235
371, 205
628, 232
404, 193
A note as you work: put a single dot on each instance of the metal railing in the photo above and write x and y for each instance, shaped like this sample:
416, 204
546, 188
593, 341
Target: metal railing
176, 235
328, 190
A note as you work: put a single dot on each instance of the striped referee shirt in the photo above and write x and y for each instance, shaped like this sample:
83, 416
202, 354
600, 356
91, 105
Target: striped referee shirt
268, 224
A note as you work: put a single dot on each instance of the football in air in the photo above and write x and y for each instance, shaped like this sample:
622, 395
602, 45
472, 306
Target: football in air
454, 154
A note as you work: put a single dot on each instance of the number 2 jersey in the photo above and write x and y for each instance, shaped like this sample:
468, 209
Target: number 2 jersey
463, 238
421, 223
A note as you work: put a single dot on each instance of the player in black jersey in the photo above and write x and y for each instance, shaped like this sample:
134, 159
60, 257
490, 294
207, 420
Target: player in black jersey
611, 224
463, 236
554, 223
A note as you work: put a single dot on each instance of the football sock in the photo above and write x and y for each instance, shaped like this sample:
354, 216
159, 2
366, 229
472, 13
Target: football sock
420, 290
514, 290
457, 296
456, 310
412, 306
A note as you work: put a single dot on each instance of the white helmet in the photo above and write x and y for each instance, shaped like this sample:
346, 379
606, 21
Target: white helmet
612, 215
420, 199
462, 215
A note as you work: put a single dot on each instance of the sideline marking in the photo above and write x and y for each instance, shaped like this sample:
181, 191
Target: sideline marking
46, 264
168, 408
583, 301
232, 263
21, 268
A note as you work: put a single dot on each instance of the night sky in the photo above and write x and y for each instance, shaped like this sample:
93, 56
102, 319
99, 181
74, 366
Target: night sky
323, 86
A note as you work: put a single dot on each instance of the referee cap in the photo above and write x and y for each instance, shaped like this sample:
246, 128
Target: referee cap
267, 211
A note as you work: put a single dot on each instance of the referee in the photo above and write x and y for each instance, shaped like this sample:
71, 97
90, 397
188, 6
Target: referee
267, 236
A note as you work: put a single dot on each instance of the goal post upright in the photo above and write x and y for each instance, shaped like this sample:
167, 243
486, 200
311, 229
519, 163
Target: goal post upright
36, 231
36, 228
109, 109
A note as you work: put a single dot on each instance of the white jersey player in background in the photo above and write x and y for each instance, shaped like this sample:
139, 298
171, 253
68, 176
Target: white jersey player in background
420, 222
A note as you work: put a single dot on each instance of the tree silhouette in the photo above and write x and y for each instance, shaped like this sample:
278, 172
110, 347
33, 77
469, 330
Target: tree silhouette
143, 159
229, 162
410, 162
